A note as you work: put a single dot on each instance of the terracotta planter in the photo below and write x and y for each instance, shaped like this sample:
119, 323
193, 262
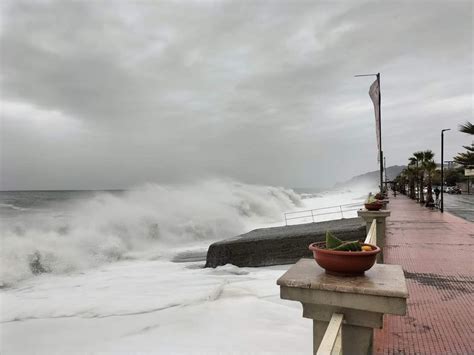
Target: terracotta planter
374, 206
344, 263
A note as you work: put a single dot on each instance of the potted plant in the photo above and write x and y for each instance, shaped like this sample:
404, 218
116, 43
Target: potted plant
379, 196
344, 258
373, 204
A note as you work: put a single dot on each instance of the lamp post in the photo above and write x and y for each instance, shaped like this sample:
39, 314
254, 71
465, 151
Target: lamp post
442, 167
418, 181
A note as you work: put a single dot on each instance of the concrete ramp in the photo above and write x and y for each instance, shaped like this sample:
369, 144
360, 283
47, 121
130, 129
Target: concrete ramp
280, 245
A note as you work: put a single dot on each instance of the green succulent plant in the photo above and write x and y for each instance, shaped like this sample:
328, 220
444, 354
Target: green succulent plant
334, 243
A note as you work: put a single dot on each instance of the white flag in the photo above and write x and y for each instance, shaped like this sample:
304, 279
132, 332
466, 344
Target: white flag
374, 93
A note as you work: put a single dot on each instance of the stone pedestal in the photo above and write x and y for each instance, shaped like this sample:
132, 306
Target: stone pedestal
363, 300
380, 217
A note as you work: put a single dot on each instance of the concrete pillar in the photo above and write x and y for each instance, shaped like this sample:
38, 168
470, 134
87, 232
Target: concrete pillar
363, 300
380, 217
385, 203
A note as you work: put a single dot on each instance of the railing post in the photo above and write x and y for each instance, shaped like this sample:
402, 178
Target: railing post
312, 215
362, 300
342, 214
380, 218
331, 342
371, 237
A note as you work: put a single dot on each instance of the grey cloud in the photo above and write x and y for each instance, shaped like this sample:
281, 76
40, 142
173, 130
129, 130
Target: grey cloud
260, 91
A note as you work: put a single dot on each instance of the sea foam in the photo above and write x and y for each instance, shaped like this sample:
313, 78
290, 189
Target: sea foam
147, 222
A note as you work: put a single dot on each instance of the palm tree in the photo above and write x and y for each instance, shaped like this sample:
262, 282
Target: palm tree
401, 181
428, 156
466, 158
412, 176
411, 172
429, 166
467, 127
419, 156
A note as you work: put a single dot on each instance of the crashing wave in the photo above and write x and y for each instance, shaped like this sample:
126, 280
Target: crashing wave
141, 223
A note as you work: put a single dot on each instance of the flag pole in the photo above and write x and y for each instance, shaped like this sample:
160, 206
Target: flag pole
379, 127
380, 134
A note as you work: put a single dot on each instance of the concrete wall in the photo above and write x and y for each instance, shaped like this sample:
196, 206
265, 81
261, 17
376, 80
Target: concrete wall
280, 245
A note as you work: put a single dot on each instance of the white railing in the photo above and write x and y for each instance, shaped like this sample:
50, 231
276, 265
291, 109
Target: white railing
306, 215
372, 235
332, 340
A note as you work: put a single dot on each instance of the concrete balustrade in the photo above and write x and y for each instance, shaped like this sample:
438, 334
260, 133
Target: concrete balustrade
362, 300
380, 218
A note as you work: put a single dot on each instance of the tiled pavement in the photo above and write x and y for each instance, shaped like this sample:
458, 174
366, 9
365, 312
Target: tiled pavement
436, 252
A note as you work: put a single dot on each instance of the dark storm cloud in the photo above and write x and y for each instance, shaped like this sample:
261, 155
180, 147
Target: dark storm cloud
95, 96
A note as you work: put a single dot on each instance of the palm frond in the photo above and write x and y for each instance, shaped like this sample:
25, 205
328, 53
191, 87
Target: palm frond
467, 127
428, 155
418, 155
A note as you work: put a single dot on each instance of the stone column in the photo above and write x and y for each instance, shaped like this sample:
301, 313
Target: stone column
380, 217
385, 203
363, 300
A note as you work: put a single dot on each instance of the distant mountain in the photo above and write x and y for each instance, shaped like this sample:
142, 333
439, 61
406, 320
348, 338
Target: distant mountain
372, 178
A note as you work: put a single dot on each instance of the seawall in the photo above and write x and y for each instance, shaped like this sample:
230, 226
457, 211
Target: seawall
279, 245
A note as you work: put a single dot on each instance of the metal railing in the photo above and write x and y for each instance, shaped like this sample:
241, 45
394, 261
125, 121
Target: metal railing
332, 339
316, 212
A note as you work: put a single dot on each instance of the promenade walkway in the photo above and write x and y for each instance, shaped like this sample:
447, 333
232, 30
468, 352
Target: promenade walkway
436, 252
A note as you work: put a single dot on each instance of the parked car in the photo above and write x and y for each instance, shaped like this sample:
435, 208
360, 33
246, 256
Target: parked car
454, 190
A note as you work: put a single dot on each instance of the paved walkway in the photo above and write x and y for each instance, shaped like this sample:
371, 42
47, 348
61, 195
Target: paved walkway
436, 252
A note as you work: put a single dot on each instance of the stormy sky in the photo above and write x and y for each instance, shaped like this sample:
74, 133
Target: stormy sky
111, 94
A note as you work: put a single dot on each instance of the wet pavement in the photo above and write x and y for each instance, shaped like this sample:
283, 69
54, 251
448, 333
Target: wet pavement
436, 252
460, 205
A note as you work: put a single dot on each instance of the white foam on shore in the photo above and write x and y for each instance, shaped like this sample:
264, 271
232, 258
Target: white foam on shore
155, 307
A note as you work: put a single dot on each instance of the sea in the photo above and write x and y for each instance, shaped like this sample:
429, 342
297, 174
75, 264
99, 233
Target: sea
102, 272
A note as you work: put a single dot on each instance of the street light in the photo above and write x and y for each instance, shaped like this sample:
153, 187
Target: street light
442, 166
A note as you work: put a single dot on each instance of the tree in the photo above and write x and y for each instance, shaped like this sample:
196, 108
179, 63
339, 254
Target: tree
419, 156
466, 158
467, 127
430, 168
411, 172
453, 176
436, 179
402, 182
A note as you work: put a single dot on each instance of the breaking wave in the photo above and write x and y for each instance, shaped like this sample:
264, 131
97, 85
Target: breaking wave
146, 222
12, 207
